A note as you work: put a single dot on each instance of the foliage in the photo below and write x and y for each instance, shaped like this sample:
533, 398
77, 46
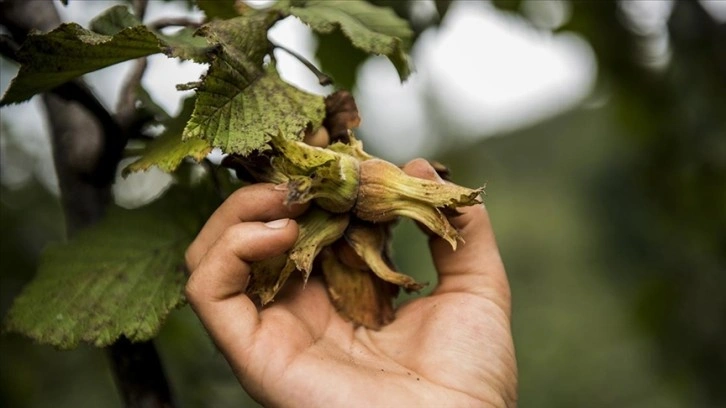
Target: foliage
370, 28
168, 150
608, 218
49, 60
123, 276
117, 278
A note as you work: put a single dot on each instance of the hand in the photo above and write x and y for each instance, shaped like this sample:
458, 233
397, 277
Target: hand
453, 348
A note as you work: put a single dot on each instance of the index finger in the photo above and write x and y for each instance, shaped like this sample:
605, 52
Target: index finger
257, 202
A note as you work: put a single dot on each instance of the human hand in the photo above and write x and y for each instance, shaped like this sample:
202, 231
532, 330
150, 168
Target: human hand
452, 348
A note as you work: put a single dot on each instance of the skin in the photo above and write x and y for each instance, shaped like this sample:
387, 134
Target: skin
450, 349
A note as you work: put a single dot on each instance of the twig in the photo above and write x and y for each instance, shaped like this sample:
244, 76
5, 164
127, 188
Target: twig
139, 7
8, 47
126, 106
209, 166
323, 79
140, 362
173, 22
113, 136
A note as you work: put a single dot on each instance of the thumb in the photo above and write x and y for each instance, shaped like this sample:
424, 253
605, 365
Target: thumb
476, 266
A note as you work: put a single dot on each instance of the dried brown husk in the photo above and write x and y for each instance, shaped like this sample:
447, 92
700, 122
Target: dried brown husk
370, 242
359, 295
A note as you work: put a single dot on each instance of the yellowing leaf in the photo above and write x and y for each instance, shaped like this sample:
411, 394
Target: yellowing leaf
240, 104
120, 277
373, 29
240, 120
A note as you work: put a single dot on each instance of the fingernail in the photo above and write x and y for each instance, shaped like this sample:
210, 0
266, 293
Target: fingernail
278, 224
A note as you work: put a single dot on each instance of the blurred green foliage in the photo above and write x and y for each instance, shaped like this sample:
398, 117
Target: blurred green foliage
611, 220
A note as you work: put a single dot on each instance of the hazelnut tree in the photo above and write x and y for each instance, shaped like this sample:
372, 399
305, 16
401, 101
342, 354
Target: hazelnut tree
117, 279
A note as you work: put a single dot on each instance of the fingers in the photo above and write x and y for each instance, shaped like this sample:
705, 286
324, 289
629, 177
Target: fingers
476, 266
258, 202
216, 287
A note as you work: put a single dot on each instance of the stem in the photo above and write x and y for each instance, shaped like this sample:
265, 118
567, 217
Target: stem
173, 22
126, 106
323, 79
139, 7
8, 47
136, 368
209, 167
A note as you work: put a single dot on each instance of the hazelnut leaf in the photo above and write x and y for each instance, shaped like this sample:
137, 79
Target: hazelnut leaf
120, 277
373, 29
69, 51
240, 104
168, 150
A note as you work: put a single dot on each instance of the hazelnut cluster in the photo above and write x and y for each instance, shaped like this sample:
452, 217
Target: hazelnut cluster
354, 199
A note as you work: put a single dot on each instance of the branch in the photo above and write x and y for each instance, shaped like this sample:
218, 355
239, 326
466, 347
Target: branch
140, 362
8, 47
139, 7
126, 107
19, 17
174, 22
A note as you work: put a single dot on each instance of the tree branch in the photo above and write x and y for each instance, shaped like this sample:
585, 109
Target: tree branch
8, 47
139, 7
140, 362
173, 22
126, 107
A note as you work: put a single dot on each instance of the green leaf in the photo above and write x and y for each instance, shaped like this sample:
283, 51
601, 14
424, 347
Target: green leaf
120, 277
182, 44
185, 44
223, 9
373, 29
338, 59
114, 20
51, 59
240, 44
239, 103
168, 150
69, 51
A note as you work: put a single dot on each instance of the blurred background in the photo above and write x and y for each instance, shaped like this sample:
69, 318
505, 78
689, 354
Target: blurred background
599, 128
